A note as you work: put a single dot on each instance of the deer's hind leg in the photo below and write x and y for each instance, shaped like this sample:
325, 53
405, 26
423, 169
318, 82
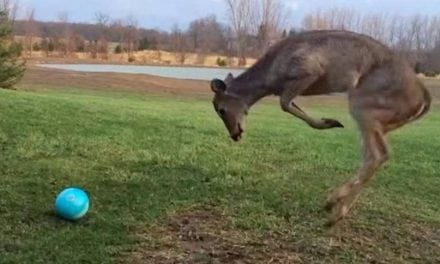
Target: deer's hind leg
374, 155
377, 109
368, 107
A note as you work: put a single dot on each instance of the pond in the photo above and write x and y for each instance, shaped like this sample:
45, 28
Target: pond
194, 73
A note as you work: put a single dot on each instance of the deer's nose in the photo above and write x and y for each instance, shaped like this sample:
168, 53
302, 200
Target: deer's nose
237, 136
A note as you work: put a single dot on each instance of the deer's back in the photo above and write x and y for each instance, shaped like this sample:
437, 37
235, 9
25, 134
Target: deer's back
340, 56
332, 50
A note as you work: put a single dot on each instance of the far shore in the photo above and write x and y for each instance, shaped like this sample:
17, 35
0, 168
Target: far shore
142, 58
36, 61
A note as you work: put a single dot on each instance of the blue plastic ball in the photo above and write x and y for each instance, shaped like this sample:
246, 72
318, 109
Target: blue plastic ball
72, 203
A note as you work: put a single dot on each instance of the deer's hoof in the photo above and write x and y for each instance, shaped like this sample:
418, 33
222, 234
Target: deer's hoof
329, 204
332, 123
330, 223
338, 213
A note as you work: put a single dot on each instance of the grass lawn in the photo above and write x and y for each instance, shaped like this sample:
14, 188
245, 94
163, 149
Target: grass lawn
150, 161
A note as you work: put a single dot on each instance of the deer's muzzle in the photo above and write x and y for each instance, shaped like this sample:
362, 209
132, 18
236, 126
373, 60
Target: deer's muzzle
237, 136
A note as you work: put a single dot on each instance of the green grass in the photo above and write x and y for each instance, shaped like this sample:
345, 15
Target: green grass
141, 157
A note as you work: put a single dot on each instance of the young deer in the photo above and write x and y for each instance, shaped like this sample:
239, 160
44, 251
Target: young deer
384, 94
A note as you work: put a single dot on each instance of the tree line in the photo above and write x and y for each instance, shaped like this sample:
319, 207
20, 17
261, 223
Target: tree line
62, 37
417, 36
252, 26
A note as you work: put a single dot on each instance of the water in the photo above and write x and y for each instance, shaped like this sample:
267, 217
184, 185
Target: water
194, 73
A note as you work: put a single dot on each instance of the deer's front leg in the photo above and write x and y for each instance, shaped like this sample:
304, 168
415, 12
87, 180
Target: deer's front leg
294, 88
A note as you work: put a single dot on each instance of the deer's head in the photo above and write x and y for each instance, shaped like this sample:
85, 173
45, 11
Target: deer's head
230, 108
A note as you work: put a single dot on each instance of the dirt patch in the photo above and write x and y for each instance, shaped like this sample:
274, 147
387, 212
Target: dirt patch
208, 236
39, 77
205, 236
398, 241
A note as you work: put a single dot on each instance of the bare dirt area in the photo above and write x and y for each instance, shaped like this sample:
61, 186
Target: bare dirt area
207, 236
39, 77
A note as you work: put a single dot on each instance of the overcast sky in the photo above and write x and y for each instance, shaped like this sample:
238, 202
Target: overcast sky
163, 14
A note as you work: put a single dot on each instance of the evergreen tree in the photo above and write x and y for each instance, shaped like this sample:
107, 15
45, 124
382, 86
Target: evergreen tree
11, 68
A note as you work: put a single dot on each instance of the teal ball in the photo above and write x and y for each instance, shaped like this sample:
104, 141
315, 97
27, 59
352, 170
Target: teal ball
72, 203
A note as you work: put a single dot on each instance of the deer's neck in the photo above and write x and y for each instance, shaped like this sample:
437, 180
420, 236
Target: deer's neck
249, 90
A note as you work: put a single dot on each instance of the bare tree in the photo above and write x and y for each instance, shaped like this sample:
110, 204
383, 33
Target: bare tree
414, 32
407, 33
179, 44
64, 45
392, 30
317, 20
130, 36
11, 7
265, 19
102, 21
69, 41
429, 32
206, 35
30, 31
272, 20
118, 27
434, 59
241, 15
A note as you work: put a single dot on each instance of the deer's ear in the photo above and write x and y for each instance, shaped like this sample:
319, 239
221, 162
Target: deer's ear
229, 78
218, 86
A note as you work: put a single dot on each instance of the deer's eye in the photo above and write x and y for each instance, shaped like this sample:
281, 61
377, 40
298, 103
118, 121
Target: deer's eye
222, 112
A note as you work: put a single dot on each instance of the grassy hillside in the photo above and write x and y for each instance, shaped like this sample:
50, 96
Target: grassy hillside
166, 184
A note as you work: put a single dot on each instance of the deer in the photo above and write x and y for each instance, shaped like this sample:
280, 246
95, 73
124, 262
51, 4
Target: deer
383, 90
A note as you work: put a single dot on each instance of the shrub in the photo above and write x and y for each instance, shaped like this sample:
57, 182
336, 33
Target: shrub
118, 49
221, 62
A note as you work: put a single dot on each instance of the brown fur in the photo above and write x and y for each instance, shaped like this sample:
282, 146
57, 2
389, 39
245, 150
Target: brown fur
383, 90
